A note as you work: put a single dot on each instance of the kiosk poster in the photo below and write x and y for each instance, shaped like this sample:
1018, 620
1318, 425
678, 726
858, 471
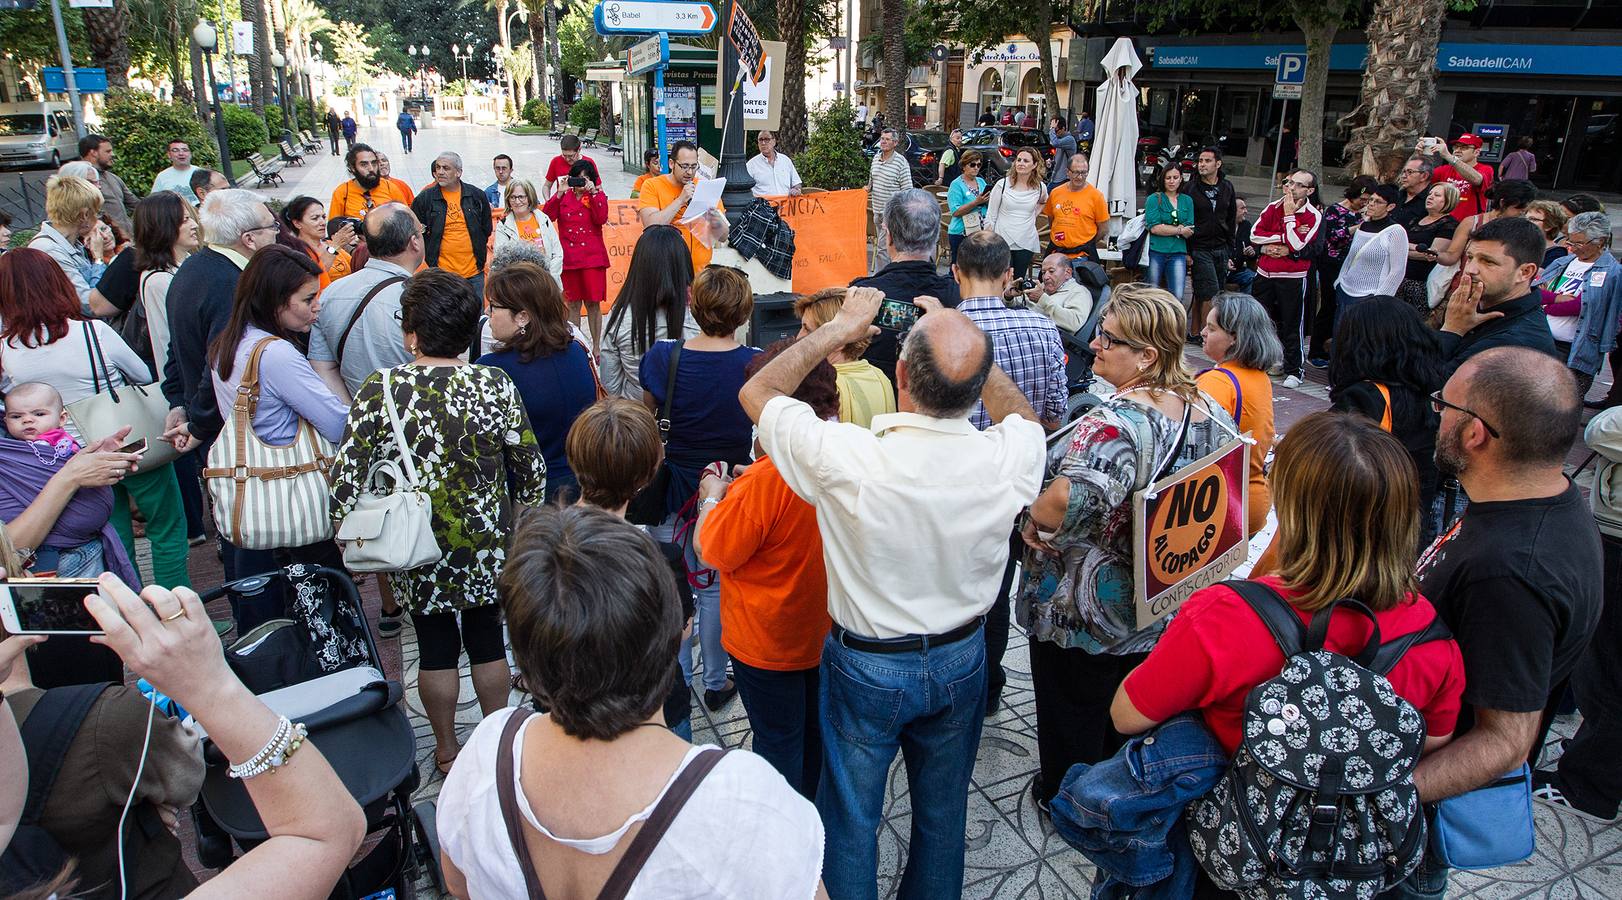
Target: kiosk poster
1189, 530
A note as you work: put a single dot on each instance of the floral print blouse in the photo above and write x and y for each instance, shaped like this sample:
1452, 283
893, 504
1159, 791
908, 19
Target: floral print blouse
470, 439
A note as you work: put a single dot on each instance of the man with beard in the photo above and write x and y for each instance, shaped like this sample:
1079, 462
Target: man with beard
1494, 304
1517, 579
366, 190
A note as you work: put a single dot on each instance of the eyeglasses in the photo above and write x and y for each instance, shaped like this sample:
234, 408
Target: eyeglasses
272, 225
1300, 184
1438, 404
685, 167
1572, 240
1109, 341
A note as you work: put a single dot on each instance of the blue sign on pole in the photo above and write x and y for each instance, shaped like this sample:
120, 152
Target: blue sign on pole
1292, 69
88, 81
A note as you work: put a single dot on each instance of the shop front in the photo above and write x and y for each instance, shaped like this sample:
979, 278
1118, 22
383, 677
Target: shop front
1009, 78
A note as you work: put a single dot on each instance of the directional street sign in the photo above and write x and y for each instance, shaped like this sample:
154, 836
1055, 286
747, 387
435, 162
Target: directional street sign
648, 55
647, 16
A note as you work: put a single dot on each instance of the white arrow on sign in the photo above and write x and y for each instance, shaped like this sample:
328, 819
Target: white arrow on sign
642, 16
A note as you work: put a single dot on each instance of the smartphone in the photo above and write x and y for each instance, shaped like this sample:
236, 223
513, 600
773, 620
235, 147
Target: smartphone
47, 606
897, 315
134, 447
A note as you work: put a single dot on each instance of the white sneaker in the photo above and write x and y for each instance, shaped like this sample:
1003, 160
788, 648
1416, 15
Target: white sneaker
1292, 381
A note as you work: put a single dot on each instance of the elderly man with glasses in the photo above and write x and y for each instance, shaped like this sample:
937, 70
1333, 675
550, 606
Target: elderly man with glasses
1414, 180
774, 173
664, 202
457, 216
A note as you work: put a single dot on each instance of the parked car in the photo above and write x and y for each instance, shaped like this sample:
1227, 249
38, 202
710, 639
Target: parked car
998, 144
37, 133
923, 151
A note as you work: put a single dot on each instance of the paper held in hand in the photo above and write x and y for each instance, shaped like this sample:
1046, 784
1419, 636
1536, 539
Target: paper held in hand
706, 195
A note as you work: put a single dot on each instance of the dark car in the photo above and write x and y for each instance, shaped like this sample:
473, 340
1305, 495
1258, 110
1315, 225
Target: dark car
923, 151
998, 145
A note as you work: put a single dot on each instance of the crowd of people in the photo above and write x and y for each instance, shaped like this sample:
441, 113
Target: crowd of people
840, 530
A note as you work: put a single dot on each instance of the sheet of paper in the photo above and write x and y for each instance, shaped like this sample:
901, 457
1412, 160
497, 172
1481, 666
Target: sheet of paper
705, 196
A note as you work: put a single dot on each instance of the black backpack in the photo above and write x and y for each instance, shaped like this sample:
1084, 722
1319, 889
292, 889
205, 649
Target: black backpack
1319, 800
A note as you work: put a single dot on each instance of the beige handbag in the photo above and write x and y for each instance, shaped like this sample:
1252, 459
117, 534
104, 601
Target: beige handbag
268, 496
140, 406
392, 529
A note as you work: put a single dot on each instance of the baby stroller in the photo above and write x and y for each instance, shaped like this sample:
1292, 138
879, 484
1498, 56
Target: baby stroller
321, 667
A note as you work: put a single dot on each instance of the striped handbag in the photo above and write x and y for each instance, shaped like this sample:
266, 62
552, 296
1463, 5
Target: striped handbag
266, 496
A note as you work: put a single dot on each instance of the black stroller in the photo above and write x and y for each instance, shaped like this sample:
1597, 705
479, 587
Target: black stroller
321, 667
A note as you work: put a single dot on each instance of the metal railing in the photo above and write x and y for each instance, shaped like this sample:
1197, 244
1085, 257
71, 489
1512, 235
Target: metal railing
22, 197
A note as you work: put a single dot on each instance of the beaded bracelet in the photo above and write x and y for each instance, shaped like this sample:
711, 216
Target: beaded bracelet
276, 752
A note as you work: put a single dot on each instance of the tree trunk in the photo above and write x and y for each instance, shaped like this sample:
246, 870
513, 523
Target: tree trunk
537, 37
501, 25
108, 30
201, 90
1310, 125
895, 62
1399, 80
172, 38
605, 116
791, 31
259, 61
555, 52
1043, 39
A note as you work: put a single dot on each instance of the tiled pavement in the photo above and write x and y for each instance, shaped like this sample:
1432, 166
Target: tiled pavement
1010, 853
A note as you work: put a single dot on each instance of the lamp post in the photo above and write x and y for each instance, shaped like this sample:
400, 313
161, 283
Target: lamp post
206, 37
462, 57
422, 81
279, 63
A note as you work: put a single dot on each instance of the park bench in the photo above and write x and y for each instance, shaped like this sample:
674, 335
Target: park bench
268, 171
290, 155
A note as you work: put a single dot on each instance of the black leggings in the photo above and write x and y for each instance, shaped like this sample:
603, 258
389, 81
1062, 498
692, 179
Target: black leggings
440, 640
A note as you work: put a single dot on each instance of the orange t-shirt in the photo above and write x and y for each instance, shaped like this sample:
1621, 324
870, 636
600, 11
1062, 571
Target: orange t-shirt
352, 200
404, 189
660, 192
1076, 215
342, 264
764, 542
1256, 418
455, 247
636, 189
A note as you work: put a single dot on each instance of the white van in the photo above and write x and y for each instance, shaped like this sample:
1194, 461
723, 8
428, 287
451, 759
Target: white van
37, 133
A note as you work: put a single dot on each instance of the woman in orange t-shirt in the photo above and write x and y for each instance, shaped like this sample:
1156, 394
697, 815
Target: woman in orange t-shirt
1239, 337
304, 221
764, 542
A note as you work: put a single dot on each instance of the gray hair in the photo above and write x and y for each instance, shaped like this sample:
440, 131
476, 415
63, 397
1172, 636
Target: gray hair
892, 132
913, 218
515, 252
1255, 343
228, 213
1596, 226
80, 169
1426, 165
454, 157
389, 230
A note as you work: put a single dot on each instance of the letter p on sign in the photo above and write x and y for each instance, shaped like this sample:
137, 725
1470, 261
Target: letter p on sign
1292, 69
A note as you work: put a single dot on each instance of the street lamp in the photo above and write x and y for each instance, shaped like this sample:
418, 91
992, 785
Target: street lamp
279, 63
206, 38
422, 81
462, 57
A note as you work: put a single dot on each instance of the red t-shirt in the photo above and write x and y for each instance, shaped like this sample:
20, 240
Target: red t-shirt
559, 168
764, 542
1216, 649
1472, 198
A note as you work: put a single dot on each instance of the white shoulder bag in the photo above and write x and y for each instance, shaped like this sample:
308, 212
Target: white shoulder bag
392, 531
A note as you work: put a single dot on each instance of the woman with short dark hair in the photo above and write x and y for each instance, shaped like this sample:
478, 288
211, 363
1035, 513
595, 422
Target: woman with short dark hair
614, 449
166, 232
469, 439
651, 306
581, 212
552, 371
707, 424
594, 622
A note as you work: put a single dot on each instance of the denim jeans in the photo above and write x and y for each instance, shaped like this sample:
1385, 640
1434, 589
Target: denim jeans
83, 561
782, 708
1169, 270
1427, 882
928, 704
708, 627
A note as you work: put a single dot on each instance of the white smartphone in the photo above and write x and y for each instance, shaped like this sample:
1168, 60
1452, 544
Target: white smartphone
47, 606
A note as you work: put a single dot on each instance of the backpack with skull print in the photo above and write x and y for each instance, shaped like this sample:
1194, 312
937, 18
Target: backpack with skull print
1319, 801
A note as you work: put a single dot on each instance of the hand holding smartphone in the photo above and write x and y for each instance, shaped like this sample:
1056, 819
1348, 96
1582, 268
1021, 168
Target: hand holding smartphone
47, 606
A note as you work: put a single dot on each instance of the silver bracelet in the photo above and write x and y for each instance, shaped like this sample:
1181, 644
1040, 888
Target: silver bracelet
273, 754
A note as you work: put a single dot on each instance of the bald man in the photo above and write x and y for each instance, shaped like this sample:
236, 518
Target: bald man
912, 569
1518, 579
1059, 296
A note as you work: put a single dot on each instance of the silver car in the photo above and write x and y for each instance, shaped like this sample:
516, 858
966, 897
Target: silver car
36, 133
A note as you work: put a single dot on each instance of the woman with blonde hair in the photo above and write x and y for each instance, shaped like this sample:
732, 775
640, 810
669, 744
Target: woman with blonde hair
73, 234
864, 391
524, 222
1076, 602
1015, 201
1425, 235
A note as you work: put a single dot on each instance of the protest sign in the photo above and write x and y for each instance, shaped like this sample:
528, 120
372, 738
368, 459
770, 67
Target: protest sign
1188, 530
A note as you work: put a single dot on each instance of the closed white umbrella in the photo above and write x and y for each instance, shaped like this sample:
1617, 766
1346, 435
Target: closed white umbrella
1115, 134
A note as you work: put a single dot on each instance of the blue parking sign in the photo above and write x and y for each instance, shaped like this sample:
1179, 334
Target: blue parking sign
1292, 69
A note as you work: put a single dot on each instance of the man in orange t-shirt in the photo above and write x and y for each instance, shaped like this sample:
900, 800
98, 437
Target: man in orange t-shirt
366, 189
664, 202
402, 187
1078, 212
456, 217
763, 541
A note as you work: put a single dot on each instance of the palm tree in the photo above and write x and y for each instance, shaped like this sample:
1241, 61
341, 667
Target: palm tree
895, 61
792, 18
259, 77
108, 30
302, 20
1399, 80
538, 40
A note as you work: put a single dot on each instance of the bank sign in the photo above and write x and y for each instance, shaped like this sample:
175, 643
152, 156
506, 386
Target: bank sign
1481, 59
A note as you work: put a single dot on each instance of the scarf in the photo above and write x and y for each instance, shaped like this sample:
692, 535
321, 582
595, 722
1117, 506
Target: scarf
87, 516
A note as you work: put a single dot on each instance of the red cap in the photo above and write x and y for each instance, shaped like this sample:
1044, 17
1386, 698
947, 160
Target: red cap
1468, 140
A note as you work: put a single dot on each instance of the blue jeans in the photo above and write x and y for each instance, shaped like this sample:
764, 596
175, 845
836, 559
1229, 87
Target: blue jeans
708, 627
1169, 270
782, 708
83, 561
1343, 302
1427, 882
927, 703
405, 139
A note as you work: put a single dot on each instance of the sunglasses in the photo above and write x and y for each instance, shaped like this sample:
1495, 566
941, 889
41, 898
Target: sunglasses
1438, 404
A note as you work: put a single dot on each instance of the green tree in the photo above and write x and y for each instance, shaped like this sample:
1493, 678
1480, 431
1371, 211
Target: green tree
355, 58
143, 125
245, 130
108, 30
981, 26
833, 157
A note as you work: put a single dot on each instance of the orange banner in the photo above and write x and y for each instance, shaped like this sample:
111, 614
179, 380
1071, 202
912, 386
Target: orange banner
830, 238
